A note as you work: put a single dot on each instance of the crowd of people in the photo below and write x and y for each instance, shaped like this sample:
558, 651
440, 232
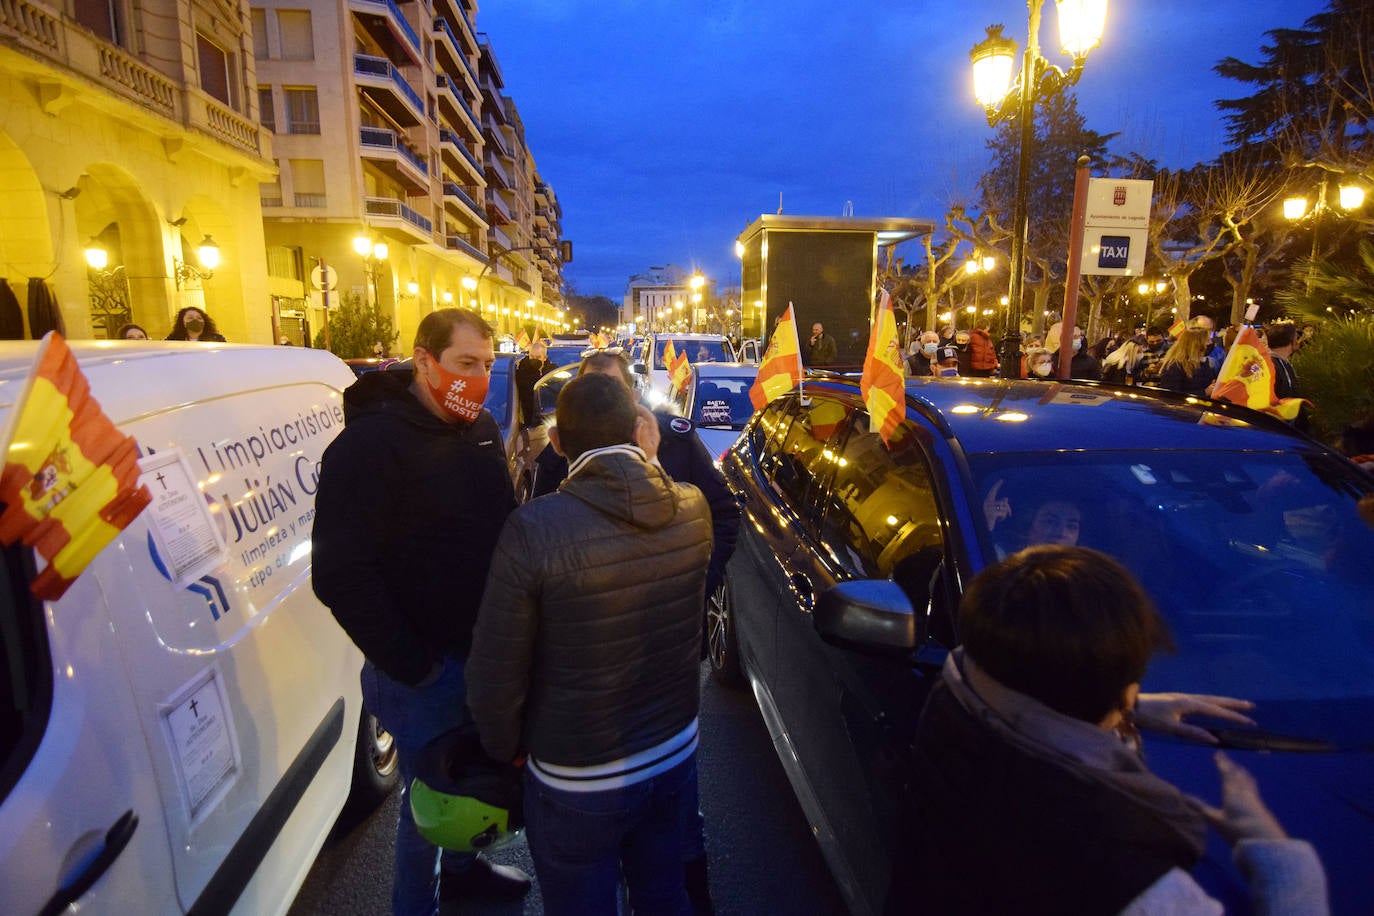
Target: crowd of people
568, 632
190, 323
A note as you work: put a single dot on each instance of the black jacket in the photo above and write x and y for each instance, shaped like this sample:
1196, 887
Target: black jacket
406, 519
821, 351
686, 460
586, 647
1174, 378
528, 371
918, 364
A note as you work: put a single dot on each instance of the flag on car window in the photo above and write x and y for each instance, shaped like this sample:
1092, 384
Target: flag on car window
1247, 377
522, 340
679, 373
781, 368
882, 385
70, 479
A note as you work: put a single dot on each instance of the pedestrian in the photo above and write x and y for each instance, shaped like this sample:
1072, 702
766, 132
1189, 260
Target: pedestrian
1215, 353
585, 658
1081, 362
1122, 364
131, 332
982, 354
194, 324
918, 364
820, 349
946, 363
1042, 702
1282, 339
1039, 362
1185, 367
412, 495
531, 368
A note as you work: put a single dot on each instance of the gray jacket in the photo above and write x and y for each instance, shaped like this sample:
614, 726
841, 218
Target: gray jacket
587, 639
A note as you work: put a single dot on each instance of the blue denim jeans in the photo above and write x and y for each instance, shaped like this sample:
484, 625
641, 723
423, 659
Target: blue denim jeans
415, 716
582, 842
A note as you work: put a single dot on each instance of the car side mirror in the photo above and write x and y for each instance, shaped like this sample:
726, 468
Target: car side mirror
870, 615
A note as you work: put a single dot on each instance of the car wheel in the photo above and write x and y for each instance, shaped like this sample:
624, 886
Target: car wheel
376, 769
722, 645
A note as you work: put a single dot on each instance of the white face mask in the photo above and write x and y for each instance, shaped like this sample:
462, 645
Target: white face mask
1077, 344
1041, 369
930, 348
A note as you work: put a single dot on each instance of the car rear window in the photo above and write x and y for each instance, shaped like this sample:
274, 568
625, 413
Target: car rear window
722, 402
698, 351
1259, 562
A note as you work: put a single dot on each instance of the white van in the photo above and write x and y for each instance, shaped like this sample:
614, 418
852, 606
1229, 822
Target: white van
180, 730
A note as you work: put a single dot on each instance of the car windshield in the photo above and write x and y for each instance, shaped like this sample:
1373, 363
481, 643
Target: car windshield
722, 402
566, 355
698, 351
498, 392
1257, 560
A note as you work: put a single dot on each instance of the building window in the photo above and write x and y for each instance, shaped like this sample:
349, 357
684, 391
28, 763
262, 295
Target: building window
267, 112
100, 16
302, 110
307, 180
297, 40
214, 69
260, 51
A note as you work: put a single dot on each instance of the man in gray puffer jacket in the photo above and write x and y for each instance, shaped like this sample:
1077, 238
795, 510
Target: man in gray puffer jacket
585, 657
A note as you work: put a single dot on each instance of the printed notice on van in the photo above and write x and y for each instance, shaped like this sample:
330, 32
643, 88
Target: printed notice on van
200, 733
189, 543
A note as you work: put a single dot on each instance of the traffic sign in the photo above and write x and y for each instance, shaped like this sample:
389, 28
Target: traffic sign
326, 278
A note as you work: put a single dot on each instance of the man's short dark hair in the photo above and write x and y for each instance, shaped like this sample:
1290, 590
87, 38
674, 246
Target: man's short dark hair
1281, 334
435, 332
1068, 626
1154, 330
602, 360
594, 411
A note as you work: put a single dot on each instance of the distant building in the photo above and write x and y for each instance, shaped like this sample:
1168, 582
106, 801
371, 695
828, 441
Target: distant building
662, 297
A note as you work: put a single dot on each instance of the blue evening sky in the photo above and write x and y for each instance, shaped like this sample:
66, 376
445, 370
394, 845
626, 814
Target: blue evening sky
665, 127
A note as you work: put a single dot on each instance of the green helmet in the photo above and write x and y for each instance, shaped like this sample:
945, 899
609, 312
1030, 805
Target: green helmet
462, 799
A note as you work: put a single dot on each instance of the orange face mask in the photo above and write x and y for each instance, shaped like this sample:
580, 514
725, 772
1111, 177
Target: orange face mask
458, 396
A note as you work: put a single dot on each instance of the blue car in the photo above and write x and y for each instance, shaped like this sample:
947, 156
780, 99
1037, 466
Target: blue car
1246, 535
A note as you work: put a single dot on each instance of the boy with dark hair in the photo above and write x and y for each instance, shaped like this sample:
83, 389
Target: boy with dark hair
585, 658
1027, 759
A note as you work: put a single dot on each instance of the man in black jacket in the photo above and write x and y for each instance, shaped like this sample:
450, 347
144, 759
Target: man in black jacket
529, 370
412, 495
585, 658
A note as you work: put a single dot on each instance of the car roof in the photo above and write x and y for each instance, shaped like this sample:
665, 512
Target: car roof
725, 370
686, 336
992, 415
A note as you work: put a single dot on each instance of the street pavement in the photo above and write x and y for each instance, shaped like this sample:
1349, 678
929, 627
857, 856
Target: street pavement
763, 858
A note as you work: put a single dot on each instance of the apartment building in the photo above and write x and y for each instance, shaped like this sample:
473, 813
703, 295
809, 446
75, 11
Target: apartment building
402, 167
129, 130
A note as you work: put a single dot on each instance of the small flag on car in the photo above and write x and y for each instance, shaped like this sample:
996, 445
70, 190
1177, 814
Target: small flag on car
882, 384
780, 370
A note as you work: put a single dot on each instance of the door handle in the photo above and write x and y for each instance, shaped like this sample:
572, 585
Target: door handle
741, 499
801, 585
116, 838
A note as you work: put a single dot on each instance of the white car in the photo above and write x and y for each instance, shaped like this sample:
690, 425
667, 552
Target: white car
180, 730
651, 373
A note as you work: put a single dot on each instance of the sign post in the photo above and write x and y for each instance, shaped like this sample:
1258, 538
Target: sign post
325, 279
1116, 227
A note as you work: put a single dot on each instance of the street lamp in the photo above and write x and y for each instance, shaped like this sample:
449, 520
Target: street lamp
207, 253
977, 266
373, 254
1080, 30
1349, 198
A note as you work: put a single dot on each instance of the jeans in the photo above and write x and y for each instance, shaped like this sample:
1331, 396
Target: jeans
581, 842
415, 716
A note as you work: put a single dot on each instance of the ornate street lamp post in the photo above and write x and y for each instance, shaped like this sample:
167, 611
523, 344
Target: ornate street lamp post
1080, 30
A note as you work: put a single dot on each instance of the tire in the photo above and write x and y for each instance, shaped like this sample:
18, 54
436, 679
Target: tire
376, 769
722, 643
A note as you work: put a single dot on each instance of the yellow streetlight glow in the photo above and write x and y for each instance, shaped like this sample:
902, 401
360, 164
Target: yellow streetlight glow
208, 252
1294, 208
1080, 25
993, 59
469, 284
96, 255
412, 287
362, 244
1352, 197
448, 296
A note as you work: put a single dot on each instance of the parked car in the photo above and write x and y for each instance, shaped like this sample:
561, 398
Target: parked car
652, 374
716, 400
839, 603
179, 731
522, 444
567, 349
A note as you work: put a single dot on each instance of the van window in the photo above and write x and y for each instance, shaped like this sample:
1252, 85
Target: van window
25, 669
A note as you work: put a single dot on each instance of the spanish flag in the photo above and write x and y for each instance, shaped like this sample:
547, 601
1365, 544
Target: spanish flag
1177, 328
781, 368
522, 340
70, 480
598, 340
882, 384
1247, 377
679, 373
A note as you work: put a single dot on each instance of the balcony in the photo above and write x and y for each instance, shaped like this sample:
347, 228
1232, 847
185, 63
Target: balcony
493, 100
496, 236
395, 157
460, 201
455, 242
498, 211
311, 200
455, 152
382, 82
388, 212
497, 176
450, 53
495, 137
454, 107
385, 22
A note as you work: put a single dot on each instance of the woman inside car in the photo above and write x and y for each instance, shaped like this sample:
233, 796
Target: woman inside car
1030, 779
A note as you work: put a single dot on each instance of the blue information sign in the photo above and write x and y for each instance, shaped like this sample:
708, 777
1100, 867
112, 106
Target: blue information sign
1114, 252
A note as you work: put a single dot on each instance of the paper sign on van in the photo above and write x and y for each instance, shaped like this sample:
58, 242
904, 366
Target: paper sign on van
200, 732
188, 541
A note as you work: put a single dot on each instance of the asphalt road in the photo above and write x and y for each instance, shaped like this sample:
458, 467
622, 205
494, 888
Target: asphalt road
763, 858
